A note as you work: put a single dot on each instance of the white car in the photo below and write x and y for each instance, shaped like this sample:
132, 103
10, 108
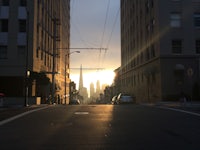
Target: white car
114, 100
125, 99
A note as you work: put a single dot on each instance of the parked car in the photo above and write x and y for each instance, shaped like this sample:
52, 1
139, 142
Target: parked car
125, 99
1, 99
74, 102
114, 100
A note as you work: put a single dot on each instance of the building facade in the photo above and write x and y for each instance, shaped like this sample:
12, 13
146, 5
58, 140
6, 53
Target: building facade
160, 49
34, 37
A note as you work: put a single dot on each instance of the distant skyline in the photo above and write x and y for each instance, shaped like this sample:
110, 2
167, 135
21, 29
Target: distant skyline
95, 24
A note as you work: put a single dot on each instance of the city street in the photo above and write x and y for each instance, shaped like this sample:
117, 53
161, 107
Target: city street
108, 127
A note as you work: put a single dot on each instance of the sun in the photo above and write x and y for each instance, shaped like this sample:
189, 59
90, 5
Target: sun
107, 77
104, 76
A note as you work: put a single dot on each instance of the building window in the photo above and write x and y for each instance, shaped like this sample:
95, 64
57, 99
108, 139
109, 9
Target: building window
153, 22
21, 50
22, 25
23, 3
134, 79
3, 52
177, 46
175, 20
198, 46
154, 77
142, 77
138, 78
197, 19
153, 54
4, 25
142, 57
37, 52
149, 4
147, 54
41, 58
5, 2
45, 59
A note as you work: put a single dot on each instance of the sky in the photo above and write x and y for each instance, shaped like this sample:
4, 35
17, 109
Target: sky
95, 24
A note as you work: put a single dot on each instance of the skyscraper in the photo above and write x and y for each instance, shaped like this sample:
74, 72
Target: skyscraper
98, 88
92, 91
82, 90
81, 78
160, 49
32, 35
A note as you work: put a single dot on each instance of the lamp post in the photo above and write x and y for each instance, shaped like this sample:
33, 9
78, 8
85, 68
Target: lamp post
27, 72
66, 57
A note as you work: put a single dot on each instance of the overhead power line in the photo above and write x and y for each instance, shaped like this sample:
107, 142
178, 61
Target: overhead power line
91, 48
104, 27
115, 22
88, 68
111, 34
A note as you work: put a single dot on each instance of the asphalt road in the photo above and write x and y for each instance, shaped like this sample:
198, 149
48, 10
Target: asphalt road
91, 127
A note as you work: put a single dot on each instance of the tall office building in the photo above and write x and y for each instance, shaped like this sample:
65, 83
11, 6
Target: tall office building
92, 90
82, 90
81, 78
34, 37
98, 88
160, 49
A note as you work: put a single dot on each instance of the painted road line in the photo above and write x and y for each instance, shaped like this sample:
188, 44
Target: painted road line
20, 115
180, 110
81, 113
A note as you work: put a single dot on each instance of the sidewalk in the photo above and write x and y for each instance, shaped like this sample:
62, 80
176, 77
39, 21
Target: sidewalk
193, 106
8, 112
187, 104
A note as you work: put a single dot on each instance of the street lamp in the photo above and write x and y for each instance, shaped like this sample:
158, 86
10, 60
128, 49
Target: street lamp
27, 72
67, 56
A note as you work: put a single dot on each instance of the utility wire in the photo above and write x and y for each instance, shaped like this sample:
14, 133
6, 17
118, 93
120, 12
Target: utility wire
103, 34
76, 28
80, 35
72, 7
111, 34
104, 28
115, 22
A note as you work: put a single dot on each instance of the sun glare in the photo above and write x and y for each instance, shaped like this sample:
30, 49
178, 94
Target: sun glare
104, 76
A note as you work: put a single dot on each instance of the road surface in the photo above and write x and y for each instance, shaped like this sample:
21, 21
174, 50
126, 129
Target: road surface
91, 127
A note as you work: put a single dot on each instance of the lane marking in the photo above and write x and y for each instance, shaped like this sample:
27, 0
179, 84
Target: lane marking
81, 113
20, 115
180, 110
